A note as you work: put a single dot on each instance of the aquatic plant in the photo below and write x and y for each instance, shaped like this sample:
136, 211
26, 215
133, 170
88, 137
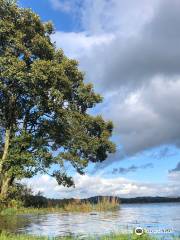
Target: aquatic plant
104, 204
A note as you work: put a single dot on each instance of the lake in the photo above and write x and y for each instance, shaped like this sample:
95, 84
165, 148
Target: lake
154, 217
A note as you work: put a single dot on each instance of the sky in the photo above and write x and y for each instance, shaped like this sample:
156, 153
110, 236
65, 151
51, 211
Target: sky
130, 51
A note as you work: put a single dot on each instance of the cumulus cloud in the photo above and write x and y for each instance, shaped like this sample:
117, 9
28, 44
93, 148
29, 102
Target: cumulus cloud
124, 16
148, 117
121, 14
131, 58
87, 186
134, 59
130, 51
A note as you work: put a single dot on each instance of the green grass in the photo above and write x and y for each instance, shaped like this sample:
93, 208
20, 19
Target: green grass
6, 236
75, 206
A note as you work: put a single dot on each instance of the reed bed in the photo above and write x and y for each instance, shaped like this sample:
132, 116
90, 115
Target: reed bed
103, 204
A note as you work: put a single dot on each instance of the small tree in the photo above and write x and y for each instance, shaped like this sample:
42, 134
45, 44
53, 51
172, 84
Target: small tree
43, 104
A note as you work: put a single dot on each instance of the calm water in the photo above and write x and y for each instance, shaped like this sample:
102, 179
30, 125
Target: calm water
149, 216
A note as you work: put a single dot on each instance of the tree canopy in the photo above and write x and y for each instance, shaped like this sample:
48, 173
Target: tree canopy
44, 102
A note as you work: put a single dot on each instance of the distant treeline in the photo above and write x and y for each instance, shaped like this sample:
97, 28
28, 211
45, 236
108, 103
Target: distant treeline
41, 201
150, 200
137, 199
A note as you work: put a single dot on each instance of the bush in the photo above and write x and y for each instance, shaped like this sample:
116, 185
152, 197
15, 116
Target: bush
15, 204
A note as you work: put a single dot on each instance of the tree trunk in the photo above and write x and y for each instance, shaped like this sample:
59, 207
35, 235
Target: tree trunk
6, 183
4, 179
6, 145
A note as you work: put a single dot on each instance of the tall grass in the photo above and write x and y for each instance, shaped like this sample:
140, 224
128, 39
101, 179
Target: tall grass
103, 204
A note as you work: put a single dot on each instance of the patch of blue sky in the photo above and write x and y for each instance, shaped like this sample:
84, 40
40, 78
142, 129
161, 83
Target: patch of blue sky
63, 21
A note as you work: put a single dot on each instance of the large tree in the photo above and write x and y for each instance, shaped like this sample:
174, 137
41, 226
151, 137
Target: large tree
44, 102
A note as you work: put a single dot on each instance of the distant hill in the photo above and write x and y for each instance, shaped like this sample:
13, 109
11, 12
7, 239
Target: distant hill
136, 199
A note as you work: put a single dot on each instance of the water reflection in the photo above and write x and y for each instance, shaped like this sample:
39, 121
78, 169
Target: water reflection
150, 216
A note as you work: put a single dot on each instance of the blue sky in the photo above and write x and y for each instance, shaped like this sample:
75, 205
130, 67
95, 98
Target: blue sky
129, 51
63, 21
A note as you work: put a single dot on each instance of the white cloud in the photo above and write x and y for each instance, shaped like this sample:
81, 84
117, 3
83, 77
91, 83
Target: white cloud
120, 16
137, 71
87, 186
100, 16
129, 50
174, 176
147, 117
79, 45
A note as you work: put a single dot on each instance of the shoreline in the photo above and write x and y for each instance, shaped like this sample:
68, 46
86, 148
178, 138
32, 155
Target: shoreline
112, 236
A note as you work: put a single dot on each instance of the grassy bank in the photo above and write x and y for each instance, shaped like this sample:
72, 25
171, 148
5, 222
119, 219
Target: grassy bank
5, 236
74, 206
